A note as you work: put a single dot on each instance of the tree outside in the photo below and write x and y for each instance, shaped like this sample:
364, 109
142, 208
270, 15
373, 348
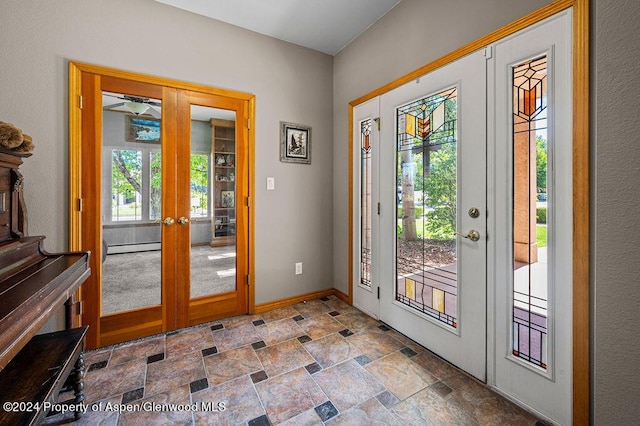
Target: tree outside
126, 180
429, 166
199, 184
126, 184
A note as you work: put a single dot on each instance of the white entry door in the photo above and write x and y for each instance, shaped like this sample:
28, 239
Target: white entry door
463, 206
366, 199
530, 249
433, 211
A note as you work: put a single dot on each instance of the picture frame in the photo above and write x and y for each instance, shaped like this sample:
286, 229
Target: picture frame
142, 129
227, 199
295, 143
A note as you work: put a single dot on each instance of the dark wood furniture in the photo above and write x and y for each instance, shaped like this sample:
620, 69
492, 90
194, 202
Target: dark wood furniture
34, 285
33, 379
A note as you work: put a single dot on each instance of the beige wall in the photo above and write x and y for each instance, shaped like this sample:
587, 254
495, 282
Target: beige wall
615, 205
378, 57
412, 34
38, 38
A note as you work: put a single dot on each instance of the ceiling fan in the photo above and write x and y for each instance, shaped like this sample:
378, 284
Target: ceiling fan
135, 104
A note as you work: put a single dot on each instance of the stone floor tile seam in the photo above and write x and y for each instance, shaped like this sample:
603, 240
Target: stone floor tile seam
255, 389
144, 382
209, 377
312, 357
292, 368
336, 365
315, 310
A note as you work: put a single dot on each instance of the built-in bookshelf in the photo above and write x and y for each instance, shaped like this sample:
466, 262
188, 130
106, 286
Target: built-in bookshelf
223, 135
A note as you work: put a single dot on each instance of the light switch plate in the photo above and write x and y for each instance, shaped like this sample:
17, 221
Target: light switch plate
271, 183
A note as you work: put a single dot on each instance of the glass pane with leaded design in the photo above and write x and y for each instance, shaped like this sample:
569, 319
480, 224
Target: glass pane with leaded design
365, 202
426, 174
530, 306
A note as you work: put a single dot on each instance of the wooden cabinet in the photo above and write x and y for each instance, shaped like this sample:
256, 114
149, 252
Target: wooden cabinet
223, 141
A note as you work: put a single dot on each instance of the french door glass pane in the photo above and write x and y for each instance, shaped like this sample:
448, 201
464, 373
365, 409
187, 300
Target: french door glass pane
530, 211
131, 202
426, 178
213, 201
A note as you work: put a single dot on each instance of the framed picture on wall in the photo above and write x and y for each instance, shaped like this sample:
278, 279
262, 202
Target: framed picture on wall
295, 143
228, 199
141, 129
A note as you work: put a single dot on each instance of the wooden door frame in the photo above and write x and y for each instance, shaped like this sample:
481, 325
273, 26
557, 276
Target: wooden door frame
82, 74
581, 173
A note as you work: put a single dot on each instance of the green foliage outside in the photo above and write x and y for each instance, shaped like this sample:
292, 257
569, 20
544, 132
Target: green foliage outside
126, 179
126, 210
126, 182
541, 235
541, 164
433, 164
199, 181
541, 215
436, 217
156, 186
440, 194
419, 228
419, 210
126, 172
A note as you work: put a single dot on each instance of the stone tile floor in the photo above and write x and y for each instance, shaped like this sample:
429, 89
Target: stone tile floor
314, 363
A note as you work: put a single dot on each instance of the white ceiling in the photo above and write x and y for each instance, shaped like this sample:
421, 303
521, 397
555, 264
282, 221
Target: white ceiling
114, 102
323, 25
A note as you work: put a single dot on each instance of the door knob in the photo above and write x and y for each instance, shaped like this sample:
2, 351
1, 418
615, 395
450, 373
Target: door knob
183, 220
473, 235
168, 221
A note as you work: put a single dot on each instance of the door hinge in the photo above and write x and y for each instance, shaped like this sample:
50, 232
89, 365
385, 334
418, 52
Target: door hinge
377, 120
80, 101
378, 292
488, 52
79, 204
79, 307
248, 201
378, 208
249, 123
248, 279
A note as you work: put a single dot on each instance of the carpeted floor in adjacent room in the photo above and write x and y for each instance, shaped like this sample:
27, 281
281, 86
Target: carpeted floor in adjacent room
132, 280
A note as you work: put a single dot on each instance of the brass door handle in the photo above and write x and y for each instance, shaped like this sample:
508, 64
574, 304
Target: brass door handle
473, 235
183, 220
168, 221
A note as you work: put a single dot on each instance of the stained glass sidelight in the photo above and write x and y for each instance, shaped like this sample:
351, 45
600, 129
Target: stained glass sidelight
530, 211
365, 202
426, 176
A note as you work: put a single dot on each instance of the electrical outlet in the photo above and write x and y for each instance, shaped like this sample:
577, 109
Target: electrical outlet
299, 268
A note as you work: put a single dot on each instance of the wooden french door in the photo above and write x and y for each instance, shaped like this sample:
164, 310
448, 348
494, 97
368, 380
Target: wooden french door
161, 179
228, 207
